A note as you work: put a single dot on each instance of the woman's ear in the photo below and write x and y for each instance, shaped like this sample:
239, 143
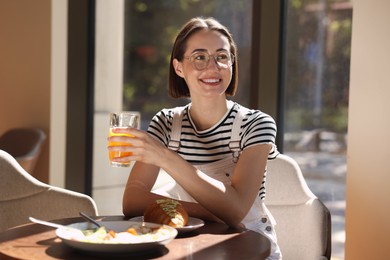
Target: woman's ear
178, 66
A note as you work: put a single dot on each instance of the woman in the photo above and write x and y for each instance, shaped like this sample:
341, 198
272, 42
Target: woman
214, 149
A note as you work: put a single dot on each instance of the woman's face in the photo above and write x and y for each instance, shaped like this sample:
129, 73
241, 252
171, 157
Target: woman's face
214, 79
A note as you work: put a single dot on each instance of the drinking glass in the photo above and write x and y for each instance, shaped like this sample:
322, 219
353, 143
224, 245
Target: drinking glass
122, 119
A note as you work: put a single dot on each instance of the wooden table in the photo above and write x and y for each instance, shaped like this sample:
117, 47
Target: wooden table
212, 241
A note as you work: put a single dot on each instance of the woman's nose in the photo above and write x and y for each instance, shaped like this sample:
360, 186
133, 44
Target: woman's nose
213, 64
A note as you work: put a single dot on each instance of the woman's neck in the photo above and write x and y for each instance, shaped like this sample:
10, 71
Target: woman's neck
206, 114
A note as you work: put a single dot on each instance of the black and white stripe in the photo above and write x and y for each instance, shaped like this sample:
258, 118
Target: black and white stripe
199, 147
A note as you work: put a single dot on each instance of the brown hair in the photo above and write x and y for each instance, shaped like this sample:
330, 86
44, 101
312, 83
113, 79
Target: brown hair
177, 85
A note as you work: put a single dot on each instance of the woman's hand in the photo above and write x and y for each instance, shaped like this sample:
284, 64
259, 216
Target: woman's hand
229, 203
143, 147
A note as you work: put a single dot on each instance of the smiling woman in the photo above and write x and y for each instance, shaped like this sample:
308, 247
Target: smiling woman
146, 56
131, 68
214, 149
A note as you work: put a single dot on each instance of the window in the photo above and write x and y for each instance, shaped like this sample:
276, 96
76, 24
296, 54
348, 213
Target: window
150, 30
316, 83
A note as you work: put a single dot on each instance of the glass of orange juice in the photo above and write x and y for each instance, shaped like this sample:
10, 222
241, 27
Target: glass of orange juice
123, 119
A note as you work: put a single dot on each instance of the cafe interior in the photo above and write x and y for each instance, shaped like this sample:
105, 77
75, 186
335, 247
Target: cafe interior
62, 72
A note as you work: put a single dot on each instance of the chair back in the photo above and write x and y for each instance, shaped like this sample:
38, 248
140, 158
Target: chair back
24, 144
22, 196
303, 221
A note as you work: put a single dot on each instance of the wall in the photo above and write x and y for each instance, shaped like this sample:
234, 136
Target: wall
368, 178
108, 88
25, 70
59, 57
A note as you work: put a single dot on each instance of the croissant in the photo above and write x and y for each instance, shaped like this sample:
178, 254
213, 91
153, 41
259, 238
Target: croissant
168, 212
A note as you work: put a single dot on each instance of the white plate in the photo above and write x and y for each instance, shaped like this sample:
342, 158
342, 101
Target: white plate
193, 223
117, 226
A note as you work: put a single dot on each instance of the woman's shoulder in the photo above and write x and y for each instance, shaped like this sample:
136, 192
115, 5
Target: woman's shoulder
168, 113
253, 115
161, 124
258, 128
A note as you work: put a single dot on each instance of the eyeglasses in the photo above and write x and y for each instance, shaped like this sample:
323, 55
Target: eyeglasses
200, 60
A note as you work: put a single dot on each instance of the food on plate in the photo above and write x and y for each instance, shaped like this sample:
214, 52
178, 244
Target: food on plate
168, 212
134, 234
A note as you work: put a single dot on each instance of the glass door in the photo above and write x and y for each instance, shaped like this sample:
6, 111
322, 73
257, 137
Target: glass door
315, 104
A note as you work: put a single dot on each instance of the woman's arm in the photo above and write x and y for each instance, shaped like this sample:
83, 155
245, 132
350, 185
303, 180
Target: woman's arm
137, 195
230, 203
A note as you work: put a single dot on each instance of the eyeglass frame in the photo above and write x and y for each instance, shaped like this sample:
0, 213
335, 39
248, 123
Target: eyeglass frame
231, 55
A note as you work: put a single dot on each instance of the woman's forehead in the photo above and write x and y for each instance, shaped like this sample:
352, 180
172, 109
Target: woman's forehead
210, 40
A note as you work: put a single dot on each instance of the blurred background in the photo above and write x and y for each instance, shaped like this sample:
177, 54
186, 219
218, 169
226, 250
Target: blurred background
67, 63
294, 59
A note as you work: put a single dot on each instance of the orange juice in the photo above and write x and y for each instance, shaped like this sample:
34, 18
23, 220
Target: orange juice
124, 119
113, 154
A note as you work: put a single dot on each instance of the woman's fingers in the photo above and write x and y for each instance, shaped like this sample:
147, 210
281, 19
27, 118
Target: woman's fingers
131, 136
128, 130
137, 142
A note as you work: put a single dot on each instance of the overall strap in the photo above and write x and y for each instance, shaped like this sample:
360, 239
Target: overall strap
174, 142
235, 140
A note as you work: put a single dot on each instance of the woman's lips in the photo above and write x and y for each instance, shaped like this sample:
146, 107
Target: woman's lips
211, 81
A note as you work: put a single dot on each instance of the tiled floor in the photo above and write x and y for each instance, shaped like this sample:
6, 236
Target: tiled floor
324, 173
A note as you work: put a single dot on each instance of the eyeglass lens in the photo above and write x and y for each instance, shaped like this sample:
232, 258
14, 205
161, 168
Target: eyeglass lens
200, 60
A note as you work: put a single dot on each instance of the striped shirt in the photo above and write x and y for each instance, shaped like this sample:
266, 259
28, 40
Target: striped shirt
211, 145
